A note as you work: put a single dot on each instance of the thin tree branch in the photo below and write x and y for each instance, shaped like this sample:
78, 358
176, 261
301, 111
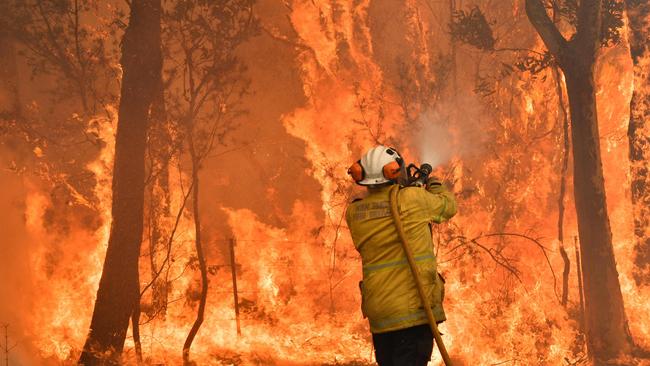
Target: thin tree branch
170, 240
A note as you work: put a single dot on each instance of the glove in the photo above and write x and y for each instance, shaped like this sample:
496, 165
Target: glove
433, 181
434, 185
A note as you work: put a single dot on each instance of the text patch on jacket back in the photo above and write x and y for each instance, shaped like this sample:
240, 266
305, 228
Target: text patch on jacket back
370, 210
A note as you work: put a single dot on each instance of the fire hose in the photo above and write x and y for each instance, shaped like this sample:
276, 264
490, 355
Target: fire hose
416, 275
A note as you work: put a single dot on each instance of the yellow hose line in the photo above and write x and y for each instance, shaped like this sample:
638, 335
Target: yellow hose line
416, 275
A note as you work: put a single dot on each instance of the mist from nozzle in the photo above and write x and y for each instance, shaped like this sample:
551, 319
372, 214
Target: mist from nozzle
433, 140
450, 130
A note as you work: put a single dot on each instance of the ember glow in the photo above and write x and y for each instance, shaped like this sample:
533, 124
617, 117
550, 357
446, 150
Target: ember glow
328, 80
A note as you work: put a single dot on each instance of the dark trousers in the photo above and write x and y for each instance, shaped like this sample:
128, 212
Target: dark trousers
404, 347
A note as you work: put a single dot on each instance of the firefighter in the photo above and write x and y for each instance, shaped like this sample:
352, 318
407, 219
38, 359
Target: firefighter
400, 332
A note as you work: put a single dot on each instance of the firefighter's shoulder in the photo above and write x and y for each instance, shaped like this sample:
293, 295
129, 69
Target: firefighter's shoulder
413, 193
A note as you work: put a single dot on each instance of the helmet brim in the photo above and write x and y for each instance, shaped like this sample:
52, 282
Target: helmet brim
373, 181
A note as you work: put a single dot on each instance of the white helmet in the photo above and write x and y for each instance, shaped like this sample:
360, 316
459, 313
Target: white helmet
379, 165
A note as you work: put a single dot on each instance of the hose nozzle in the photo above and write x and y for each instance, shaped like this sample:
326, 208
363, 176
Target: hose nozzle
422, 175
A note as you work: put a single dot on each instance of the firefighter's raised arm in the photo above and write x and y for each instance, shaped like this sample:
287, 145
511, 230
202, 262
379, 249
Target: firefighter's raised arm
439, 201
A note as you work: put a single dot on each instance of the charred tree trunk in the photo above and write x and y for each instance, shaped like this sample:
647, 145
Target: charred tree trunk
158, 190
581, 293
638, 12
199, 252
135, 329
563, 183
606, 323
564, 171
118, 291
604, 311
161, 151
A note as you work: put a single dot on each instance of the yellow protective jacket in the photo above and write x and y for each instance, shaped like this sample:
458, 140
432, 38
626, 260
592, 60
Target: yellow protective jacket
390, 298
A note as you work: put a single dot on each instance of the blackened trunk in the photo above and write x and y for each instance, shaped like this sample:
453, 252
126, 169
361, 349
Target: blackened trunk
638, 12
606, 323
161, 151
199, 253
563, 184
118, 291
135, 329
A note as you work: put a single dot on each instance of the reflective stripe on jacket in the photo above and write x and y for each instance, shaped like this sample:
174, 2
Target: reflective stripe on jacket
389, 296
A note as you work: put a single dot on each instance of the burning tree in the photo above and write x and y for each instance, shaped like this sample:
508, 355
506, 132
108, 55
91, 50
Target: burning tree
597, 24
201, 38
119, 289
639, 138
577, 57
